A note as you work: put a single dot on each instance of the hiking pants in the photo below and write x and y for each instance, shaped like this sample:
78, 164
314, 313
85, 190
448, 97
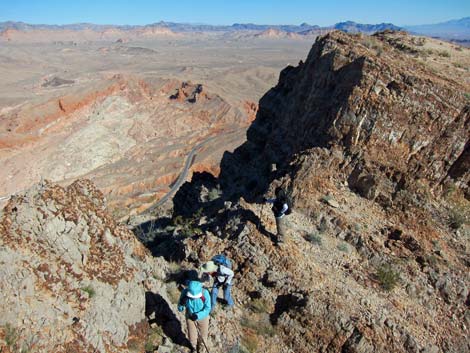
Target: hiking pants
215, 292
281, 228
192, 331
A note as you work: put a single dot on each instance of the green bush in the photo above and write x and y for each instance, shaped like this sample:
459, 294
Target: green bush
213, 194
258, 306
261, 326
250, 342
314, 238
89, 289
173, 292
443, 53
188, 227
388, 278
457, 218
11, 335
343, 247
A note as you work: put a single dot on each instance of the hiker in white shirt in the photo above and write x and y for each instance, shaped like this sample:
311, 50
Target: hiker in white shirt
222, 278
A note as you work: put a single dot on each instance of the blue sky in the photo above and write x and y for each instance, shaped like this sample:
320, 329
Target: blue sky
326, 12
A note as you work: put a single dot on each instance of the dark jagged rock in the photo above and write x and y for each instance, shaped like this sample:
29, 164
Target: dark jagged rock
391, 120
364, 122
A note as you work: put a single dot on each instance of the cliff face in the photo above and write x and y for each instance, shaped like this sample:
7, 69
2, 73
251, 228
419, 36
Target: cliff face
371, 144
71, 278
394, 119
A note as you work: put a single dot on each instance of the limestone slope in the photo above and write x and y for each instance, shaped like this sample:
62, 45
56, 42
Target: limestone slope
71, 278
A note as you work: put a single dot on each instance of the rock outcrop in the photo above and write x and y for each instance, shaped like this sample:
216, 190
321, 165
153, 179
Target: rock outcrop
390, 119
372, 146
71, 278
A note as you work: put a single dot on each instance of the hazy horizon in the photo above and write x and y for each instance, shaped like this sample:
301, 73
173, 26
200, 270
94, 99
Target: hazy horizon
216, 24
211, 12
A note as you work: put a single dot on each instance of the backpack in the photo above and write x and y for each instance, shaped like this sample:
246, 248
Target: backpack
185, 299
222, 260
282, 195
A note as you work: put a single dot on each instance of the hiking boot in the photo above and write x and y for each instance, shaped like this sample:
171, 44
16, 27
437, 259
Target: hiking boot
280, 241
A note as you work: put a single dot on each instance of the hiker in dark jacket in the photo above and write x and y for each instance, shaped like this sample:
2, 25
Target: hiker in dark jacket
280, 209
197, 302
222, 278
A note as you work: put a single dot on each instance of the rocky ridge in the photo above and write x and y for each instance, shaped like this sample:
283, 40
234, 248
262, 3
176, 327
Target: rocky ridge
372, 146
72, 279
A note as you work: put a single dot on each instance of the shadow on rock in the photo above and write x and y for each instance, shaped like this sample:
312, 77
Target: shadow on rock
286, 303
181, 278
159, 312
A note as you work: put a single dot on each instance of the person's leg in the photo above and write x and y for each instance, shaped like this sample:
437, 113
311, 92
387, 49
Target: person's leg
228, 295
214, 293
280, 225
204, 329
192, 332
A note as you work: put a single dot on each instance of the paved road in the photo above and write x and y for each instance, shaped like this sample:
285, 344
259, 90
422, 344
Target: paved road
182, 177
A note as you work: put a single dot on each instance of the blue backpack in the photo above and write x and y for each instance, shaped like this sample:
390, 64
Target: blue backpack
222, 260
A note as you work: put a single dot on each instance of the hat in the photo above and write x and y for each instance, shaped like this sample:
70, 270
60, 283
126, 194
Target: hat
194, 290
209, 267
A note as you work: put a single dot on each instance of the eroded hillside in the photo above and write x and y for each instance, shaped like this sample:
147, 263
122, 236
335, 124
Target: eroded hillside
371, 144
130, 135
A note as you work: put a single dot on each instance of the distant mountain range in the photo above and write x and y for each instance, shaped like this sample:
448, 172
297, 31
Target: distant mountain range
454, 29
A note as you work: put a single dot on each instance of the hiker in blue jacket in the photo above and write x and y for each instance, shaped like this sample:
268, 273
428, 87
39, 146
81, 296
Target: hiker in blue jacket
197, 302
223, 276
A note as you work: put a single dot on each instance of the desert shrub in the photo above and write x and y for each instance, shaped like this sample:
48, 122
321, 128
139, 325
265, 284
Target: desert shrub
457, 218
188, 227
426, 52
443, 53
431, 260
11, 335
149, 347
419, 41
250, 342
89, 289
260, 326
213, 194
326, 198
134, 345
323, 226
467, 95
154, 338
371, 43
343, 247
173, 292
259, 306
237, 348
314, 238
388, 277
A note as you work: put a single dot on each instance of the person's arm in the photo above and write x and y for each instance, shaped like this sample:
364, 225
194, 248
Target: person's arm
269, 200
207, 305
228, 273
182, 300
